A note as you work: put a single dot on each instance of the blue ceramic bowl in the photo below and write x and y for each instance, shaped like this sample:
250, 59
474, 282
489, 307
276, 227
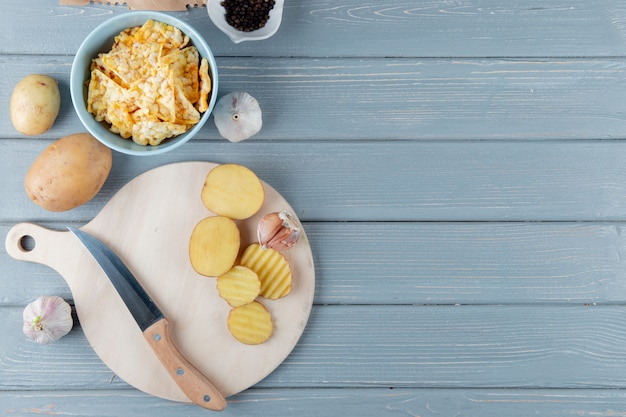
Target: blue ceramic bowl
101, 40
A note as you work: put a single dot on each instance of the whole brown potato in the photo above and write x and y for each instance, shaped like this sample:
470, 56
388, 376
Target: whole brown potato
68, 173
35, 104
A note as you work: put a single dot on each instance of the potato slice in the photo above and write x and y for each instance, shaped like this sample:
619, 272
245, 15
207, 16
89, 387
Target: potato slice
214, 245
233, 191
239, 286
250, 323
271, 267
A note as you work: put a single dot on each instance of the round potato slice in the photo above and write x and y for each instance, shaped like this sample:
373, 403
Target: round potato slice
214, 245
239, 286
250, 323
271, 267
233, 191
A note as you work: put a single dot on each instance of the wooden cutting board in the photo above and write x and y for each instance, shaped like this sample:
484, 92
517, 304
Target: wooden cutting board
148, 224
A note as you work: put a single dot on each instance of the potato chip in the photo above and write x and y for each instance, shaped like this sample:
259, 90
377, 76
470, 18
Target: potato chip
152, 133
158, 32
133, 64
205, 86
120, 119
185, 64
184, 111
157, 94
250, 323
99, 65
125, 39
102, 91
149, 86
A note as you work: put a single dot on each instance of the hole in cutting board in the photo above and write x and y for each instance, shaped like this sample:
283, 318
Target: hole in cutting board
27, 243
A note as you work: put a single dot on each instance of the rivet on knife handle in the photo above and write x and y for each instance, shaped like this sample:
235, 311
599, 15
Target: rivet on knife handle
195, 385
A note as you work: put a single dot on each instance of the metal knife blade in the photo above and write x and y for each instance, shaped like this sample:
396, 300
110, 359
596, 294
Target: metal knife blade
153, 325
136, 299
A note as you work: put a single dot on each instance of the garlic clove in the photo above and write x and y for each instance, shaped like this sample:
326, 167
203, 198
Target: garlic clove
268, 227
238, 116
278, 230
47, 319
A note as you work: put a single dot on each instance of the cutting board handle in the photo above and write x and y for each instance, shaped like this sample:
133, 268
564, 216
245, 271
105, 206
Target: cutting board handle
33, 243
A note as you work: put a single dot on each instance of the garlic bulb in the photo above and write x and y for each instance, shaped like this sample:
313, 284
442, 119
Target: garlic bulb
238, 116
47, 319
278, 231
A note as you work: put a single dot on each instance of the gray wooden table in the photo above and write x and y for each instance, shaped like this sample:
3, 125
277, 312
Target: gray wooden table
459, 169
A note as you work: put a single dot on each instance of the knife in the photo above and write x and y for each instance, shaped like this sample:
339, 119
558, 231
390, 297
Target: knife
153, 324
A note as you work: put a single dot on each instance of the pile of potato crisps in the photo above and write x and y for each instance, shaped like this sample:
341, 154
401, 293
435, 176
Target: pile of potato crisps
151, 86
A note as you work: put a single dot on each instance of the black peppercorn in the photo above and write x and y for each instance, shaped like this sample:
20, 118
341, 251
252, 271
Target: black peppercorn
247, 15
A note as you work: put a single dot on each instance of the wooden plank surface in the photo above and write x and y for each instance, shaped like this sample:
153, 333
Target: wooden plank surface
386, 180
459, 170
410, 346
362, 402
478, 28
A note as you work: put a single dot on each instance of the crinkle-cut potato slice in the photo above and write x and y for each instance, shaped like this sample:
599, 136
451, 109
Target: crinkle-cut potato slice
239, 286
205, 86
271, 267
250, 323
214, 245
233, 190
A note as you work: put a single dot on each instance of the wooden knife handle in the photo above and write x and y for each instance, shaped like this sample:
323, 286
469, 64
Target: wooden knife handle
195, 385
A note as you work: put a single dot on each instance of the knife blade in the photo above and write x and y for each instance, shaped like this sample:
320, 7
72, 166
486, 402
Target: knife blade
153, 324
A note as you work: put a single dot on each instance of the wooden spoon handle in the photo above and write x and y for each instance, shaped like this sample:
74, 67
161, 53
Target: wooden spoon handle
195, 385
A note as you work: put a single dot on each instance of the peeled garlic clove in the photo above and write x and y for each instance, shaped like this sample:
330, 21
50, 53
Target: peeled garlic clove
278, 231
238, 116
47, 319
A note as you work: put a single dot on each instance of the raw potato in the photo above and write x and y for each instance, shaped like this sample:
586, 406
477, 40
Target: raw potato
68, 173
271, 267
239, 286
35, 104
214, 246
251, 323
233, 191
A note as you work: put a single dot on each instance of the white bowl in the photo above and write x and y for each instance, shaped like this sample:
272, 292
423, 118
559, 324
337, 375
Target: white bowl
217, 13
101, 40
